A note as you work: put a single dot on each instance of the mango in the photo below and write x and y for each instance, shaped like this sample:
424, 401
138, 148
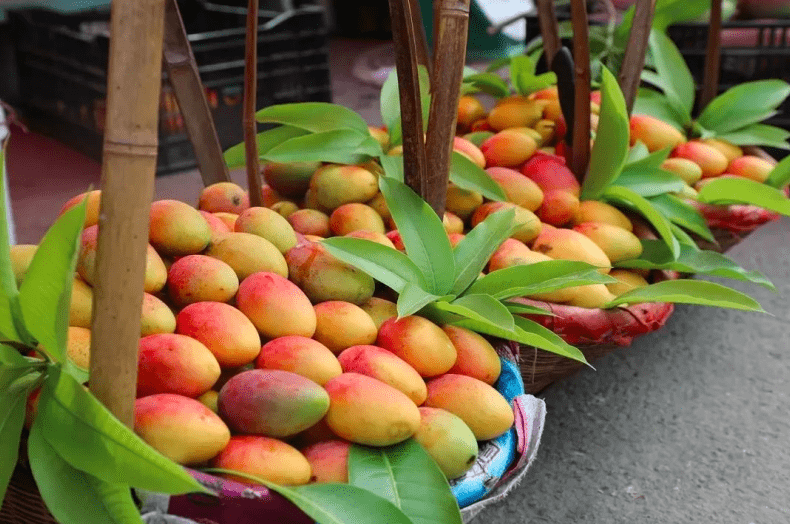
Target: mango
626, 281
617, 243
547, 130
595, 211
508, 148
276, 306
547, 93
526, 223
519, 189
711, 160
217, 226
310, 222
549, 172
78, 346
448, 440
92, 206
200, 278
323, 277
470, 109
462, 202
513, 252
353, 217
452, 223
341, 324
380, 310
335, 185
271, 402
224, 330
381, 135
729, 150
269, 196
420, 342
654, 133
265, 458
81, 307
752, 167
21, 257
224, 197
380, 205
310, 202
291, 179
247, 254
269, 224
469, 150
180, 428
515, 111
684, 168
367, 411
558, 207
328, 461
228, 373
301, 355
385, 366
229, 219
567, 244
285, 208
172, 363
177, 228
478, 137
552, 111
482, 408
318, 432
156, 317
365, 234
209, 399
477, 358
592, 296
397, 241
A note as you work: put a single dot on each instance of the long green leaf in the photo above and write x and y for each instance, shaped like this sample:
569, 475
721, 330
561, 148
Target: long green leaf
611, 144
524, 309
489, 83
780, 174
475, 249
484, 308
408, 477
743, 104
392, 166
684, 238
758, 135
423, 235
624, 196
342, 146
540, 277
235, 156
638, 153
744, 191
45, 295
12, 418
10, 356
683, 291
389, 101
672, 69
682, 214
652, 103
413, 298
669, 12
392, 117
89, 438
316, 117
117, 500
650, 182
467, 175
640, 158
10, 373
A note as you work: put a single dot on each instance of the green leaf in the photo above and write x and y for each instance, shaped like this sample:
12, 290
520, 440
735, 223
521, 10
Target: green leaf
498, 64
683, 214
611, 144
389, 101
780, 174
483, 308
389, 266
489, 83
45, 295
408, 477
8, 290
235, 156
10, 356
624, 196
10, 373
745, 191
638, 152
117, 499
467, 175
473, 252
316, 117
89, 438
391, 97
540, 277
12, 418
683, 238
522, 70
413, 298
393, 166
524, 309
672, 70
650, 182
640, 158
758, 135
423, 235
684, 291
744, 104
652, 103
341, 146
669, 12
672, 99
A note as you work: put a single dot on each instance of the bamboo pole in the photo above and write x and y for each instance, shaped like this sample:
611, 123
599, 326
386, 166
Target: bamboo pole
580, 149
636, 51
710, 85
420, 40
448, 68
549, 29
183, 74
128, 171
254, 183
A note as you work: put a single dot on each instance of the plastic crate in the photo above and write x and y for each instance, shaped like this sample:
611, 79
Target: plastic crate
62, 69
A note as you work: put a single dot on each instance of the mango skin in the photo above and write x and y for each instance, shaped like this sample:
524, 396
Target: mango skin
731, 151
592, 296
480, 406
364, 234
291, 179
215, 224
508, 148
353, 217
181, 428
92, 206
448, 440
341, 324
752, 167
477, 358
224, 330
515, 111
711, 160
567, 244
301, 355
528, 225
452, 223
519, 189
595, 211
265, 458
172, 363
225, 197
689, 171
247, 254
209, 399
199, 278
310, 222
380, 310
420, 342
383, 365
550, 173
513, 252
271, 402
469, 150
21, 257
335, 185
469, 110
81, 307
276, 306
156, 317
626, 281
367, 411
462, 202
229, 219
654, 133
78, 346
328, 461
177, 229
558, 207
618, 244
268, 224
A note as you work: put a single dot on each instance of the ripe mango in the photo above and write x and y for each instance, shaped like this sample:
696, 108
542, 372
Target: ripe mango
291, 179
513, 252
752, 167
469, 110
81, 307
480, 406
224, 197
452, 223
209, 399
200, 278
217, 226
380, 310
268, 224
177, 229
381, 136
469, 150
335, 185
729, 150
171, 363
92, 206
547, 130
271, 402
684, 168
341, 324
247, 254
285, 208
420, 342
626, 281
567, 244
180, 428
515, 111
558, 207
654, 133
373, 237
478, 137
711, 160
367, 411
310, 222
21, 257
477, 358
229, 219
265, 458
276, 306
224, 330
595, 211
301, 355
269, 196
156, 317
354, 217
550, 173
617, 243
592, 296
519, 189
448, 440
527, 224
78, 346
380, 205
462, 202
385, 366
328, 461
508, 148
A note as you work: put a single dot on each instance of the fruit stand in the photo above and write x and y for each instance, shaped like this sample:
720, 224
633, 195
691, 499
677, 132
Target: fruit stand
361, 331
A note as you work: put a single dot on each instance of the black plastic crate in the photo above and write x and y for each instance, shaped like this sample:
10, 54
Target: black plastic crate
62, 69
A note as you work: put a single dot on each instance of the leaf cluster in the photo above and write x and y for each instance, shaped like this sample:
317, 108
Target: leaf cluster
521, 73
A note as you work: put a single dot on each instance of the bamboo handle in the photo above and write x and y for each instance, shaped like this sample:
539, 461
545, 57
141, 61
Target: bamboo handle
129, 163
580, 149
636, 51
710, 86
549, 29
183, 73
254, 183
